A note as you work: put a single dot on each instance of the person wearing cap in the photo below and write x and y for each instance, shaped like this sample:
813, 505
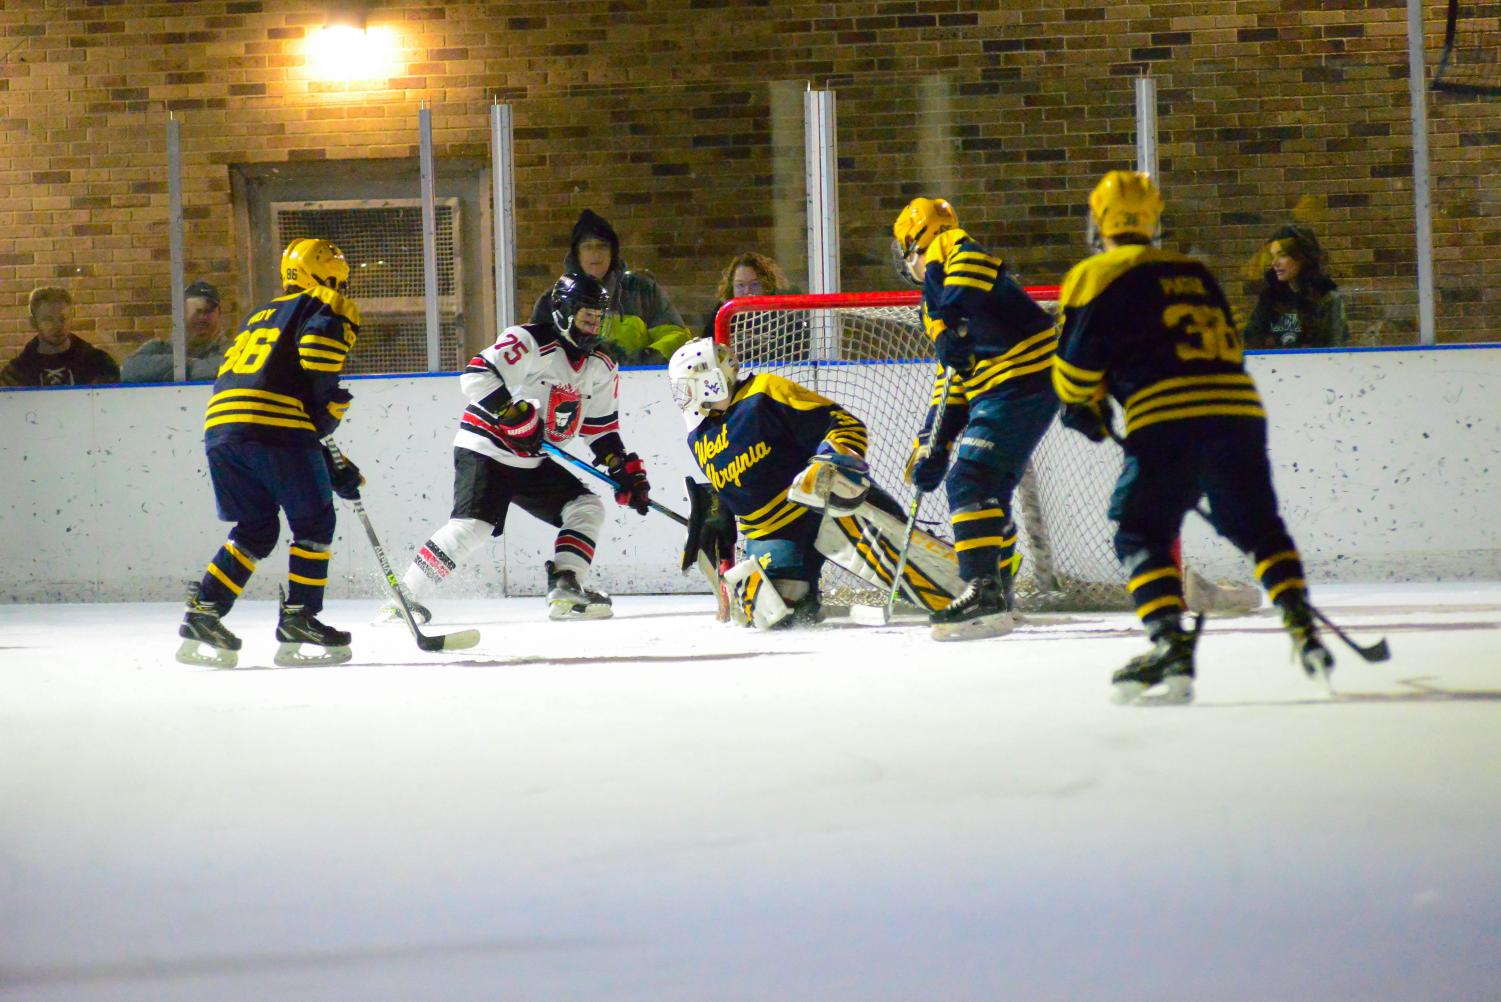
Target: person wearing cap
1298, 306
152, 362
642, 326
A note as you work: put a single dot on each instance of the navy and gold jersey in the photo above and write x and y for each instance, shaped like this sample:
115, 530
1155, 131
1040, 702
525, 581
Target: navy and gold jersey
280, 381
1012, 337
1153, 329
753, 450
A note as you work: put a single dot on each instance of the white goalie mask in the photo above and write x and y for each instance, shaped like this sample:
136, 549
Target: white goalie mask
702, 374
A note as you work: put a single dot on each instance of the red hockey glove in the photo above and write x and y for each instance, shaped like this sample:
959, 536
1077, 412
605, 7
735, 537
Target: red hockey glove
629, 474
521, 428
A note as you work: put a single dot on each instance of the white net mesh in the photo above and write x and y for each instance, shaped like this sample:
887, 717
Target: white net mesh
869, 353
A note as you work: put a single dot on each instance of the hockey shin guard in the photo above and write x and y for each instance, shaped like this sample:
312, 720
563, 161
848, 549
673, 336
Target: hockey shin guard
1156, 587
307, 575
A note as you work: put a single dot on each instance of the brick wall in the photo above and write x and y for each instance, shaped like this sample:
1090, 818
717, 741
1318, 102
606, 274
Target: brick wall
678, 120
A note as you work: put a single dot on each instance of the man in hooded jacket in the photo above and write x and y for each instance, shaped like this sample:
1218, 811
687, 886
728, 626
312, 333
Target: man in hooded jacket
642, 326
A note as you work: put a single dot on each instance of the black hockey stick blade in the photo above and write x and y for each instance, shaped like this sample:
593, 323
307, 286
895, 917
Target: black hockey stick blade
1379, 651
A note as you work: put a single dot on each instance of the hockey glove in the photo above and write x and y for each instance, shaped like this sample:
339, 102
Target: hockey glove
711, 527
1092, 420
926, 468
521, 428
345, 479
631, 487
956, 350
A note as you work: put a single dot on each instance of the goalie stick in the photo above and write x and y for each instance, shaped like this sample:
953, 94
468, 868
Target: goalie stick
462, 640
880, 615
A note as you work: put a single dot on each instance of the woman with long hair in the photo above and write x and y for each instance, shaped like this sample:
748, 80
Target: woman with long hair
1299, 306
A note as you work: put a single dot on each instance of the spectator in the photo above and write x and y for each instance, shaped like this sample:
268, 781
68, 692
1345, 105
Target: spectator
783, 338
55, 357
152, 361
1299, 306
642, 327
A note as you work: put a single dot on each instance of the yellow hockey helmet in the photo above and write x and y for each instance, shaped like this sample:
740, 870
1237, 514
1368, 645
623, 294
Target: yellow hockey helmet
310, 262
1125, 201
921, 221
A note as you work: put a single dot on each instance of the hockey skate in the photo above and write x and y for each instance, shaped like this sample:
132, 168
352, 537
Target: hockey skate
201, 627
295, 627
567, 599
981, 610
1308, 650
391, 613
1163, 675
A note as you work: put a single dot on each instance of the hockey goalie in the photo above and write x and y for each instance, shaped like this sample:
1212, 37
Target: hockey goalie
788, 465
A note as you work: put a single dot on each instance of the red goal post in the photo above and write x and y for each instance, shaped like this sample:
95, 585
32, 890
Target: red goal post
868, 351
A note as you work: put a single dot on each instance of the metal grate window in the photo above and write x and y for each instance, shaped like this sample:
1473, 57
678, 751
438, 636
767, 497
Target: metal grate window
382, 239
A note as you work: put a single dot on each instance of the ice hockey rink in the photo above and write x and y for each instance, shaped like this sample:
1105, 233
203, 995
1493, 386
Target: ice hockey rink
661, 807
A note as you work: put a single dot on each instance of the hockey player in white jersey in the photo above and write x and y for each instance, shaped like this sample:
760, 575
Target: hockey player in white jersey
538, 382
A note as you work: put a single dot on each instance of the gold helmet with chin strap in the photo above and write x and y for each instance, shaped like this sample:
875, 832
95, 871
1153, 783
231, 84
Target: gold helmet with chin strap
921, 221
312, 262
914, 229
1125, 202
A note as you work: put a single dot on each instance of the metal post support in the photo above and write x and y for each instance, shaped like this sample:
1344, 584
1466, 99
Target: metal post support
175, 241
503, 186
429, 238
1417, 88
821, 164
1146, 128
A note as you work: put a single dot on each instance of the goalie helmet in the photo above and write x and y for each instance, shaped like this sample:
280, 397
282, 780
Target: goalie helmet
572, 293
915, 227
311, 262
1125, 202
703, 374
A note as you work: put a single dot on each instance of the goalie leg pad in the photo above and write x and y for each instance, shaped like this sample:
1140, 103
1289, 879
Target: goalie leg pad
754, 600
831, 481
868, 544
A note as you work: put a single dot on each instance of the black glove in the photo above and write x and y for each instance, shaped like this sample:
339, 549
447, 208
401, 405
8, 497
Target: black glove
631, 487
956, 350
345, 478
1092, 420
925, 470
521, 427
711, 527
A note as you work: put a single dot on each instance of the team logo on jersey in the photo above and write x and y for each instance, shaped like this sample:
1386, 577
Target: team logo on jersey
564, 413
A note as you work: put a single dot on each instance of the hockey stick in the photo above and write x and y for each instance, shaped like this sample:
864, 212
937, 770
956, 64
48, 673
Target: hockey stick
880, 615
1372, 653
459, 641
570, 458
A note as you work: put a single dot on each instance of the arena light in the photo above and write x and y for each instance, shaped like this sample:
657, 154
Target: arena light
346, 49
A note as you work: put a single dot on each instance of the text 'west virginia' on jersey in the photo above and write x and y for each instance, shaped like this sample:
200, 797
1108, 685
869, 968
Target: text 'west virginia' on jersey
753, 450
280, 381
572, 396
1012, 337
1159, 325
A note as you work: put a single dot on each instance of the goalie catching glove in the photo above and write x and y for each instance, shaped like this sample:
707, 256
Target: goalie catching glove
1093, 420
832, 480
631, 486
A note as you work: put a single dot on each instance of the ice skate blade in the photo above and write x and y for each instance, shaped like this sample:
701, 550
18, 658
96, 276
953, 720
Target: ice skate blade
1175, 690
289, 655
189, 653
564, 609
997, 624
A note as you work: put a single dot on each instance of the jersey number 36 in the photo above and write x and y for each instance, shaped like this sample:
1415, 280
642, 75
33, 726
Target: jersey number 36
1203, 333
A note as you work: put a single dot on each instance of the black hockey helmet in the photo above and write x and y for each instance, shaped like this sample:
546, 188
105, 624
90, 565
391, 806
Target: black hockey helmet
573, 292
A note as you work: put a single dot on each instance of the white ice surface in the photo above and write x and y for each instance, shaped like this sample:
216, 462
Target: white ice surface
661, 808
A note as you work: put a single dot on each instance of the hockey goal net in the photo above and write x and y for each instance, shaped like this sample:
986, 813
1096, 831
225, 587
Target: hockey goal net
869, 353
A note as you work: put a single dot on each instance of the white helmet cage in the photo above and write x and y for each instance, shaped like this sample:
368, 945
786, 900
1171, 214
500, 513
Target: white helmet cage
703, 374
